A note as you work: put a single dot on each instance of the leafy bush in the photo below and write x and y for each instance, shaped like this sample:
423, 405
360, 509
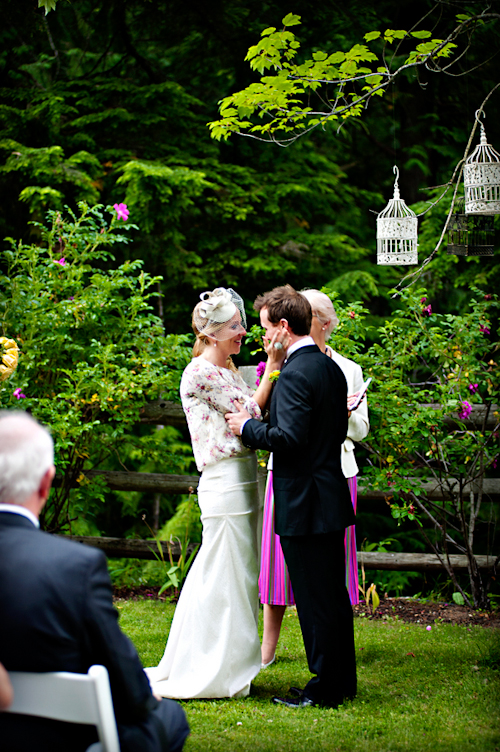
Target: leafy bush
92, 352
430, 373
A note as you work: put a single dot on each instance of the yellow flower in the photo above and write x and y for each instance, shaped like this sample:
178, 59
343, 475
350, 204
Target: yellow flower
9, 357
274, 375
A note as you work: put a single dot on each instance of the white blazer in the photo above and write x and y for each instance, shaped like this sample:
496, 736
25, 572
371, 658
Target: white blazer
358, 425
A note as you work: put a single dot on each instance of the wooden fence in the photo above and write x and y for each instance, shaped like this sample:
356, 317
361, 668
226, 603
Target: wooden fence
163, 412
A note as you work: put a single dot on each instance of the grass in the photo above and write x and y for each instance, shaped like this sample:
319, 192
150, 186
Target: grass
418, 690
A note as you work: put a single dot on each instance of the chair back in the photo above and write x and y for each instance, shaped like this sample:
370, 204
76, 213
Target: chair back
75, 698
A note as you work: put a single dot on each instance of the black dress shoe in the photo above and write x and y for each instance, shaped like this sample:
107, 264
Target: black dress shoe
296, 691
295, 702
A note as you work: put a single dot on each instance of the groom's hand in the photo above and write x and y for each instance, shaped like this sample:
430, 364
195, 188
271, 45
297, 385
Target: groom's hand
235, 420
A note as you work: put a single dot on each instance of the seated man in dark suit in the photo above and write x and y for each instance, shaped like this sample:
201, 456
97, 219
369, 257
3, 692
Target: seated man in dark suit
56, 611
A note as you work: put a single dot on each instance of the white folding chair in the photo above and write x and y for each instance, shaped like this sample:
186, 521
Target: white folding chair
77, 698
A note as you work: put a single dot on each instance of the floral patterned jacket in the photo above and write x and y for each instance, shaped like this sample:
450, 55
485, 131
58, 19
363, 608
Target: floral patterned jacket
208, 392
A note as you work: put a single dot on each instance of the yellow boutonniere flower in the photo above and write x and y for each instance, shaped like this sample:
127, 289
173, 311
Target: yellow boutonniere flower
9, 354
274, 375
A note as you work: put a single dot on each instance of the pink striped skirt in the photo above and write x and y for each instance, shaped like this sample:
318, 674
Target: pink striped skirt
275, 587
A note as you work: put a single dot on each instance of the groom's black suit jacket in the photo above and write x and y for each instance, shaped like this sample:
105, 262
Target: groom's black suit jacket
307, 425
56, 614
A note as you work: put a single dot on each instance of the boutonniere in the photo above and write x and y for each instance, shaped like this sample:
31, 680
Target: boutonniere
274, 375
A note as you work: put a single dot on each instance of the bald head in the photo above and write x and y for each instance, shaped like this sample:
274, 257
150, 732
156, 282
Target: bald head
26, 460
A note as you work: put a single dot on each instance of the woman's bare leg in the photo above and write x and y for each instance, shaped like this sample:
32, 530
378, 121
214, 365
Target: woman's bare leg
273, 616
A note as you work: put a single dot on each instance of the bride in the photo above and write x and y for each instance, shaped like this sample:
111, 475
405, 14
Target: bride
213, 647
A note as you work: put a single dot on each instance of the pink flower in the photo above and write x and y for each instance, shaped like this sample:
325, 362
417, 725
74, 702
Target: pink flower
429, 628
427, 310
17, 393
473, 388
62, 261
494, 463
484, 329
352, 314
261, 367
422, 300
121, 211
465, 411
488, 296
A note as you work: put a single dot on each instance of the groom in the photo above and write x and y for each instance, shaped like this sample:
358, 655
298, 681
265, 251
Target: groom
307, 425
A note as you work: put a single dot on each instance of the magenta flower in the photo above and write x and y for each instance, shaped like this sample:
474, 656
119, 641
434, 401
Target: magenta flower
17, 393
494, 464
488, 296
62, 261
429, 628
261, 367
484, 329
121, 211
466, 409
422, 300
473, 388
427, 310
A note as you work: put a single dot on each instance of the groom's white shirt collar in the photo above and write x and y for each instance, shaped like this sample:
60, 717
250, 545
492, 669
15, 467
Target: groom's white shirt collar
303, 342
17, 509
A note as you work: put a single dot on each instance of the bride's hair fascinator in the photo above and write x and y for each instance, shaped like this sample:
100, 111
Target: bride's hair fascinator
219, 314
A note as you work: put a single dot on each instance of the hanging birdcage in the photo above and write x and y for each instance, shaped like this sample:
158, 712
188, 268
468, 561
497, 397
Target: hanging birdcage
397, 231
482, 178
470, 234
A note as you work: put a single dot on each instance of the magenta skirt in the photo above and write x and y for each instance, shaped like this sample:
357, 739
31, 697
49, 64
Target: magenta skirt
275, 587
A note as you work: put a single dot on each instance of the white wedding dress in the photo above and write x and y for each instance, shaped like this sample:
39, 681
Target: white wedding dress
213, 648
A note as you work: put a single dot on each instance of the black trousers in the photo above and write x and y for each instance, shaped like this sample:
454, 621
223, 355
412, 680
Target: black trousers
316, 564
164, 730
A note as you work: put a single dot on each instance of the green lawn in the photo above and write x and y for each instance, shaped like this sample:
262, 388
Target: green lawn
418, 690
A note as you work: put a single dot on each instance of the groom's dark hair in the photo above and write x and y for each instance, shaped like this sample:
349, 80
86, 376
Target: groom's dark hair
286, 303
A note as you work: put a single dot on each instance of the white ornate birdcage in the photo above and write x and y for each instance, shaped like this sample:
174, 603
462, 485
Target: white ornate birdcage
482, 178
397, 231
470, 234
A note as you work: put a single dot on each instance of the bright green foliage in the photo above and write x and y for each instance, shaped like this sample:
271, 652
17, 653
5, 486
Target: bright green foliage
428, 369
47, 4
92, 350
283, 99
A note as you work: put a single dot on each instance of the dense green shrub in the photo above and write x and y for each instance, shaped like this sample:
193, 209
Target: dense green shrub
92, 352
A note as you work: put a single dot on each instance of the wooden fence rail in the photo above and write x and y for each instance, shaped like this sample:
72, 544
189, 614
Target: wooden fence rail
117, 548
164, 412
163, 483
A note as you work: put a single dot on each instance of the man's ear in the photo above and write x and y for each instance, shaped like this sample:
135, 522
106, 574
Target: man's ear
45, 483
284, 323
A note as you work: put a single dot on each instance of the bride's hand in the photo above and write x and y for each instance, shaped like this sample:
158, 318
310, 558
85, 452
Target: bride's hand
276, 349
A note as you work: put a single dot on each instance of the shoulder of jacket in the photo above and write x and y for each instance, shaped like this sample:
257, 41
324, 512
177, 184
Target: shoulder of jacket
73, 551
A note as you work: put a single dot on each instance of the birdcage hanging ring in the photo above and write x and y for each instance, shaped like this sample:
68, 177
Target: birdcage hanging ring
482, 177
397, 231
